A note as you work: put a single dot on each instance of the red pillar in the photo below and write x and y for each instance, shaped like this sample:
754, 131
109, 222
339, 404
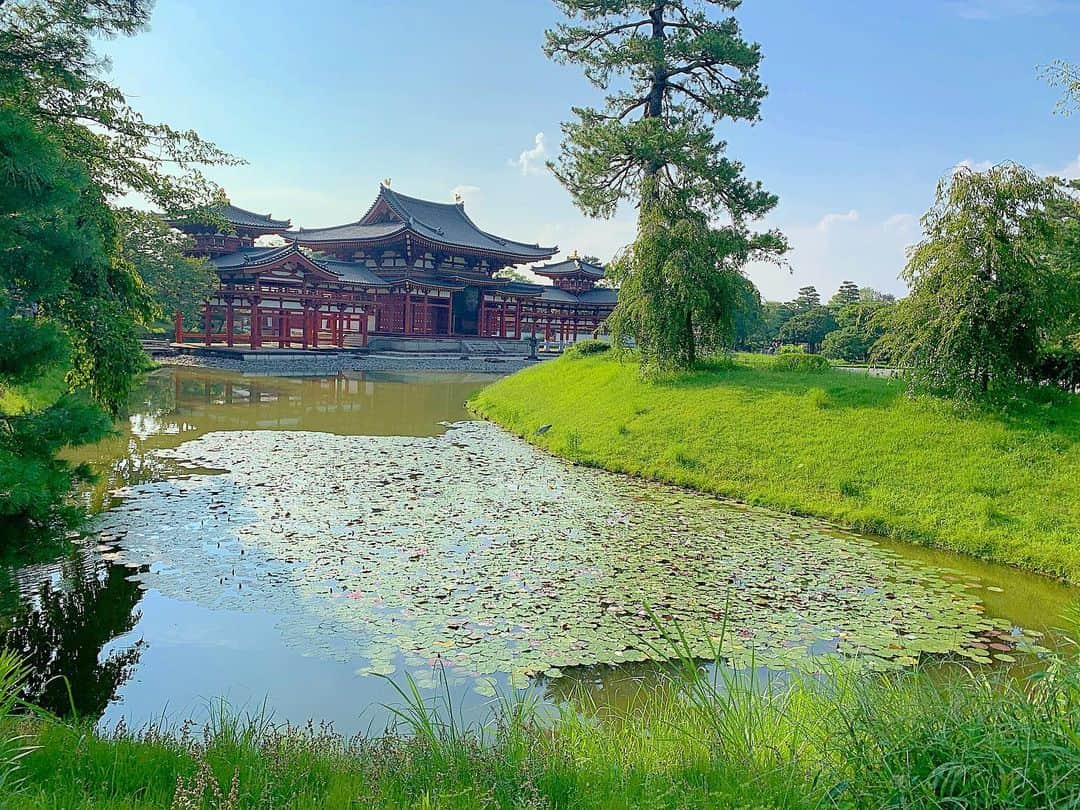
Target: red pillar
408, 312
316, 322
502, 319
340, 329
283, 327
230, 321
178, 323
450, 315
517, 320
256, 323
363, 327
206, 324
425, 326
481, 327
305, 325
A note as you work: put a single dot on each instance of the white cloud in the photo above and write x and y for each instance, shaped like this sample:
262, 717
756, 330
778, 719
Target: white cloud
829, 220
975, 166
900, 222
464, 191
1071, 171
1000, 9
531, 161
836, 248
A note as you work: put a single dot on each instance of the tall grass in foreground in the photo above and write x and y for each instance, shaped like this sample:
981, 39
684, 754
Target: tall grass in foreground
712, 737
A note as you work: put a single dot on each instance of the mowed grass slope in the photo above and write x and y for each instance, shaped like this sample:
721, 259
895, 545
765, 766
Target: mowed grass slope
1001, 484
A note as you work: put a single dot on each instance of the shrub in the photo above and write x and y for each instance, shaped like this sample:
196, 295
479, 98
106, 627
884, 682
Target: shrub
587, 347
795, 358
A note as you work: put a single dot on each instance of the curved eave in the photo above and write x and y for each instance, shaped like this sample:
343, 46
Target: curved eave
506, 255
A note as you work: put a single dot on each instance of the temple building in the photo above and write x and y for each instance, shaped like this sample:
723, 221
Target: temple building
407, 268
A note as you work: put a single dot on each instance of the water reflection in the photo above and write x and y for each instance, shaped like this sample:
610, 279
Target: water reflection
141, 655
61, 617
177, 405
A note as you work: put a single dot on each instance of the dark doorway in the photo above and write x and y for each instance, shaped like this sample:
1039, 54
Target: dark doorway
466, 306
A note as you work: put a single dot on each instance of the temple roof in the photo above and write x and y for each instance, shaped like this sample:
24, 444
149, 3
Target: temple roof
441, 223
355, 272
239, 216
571, 267
557, 296
352, 272
253, 257
352, 232
599, 295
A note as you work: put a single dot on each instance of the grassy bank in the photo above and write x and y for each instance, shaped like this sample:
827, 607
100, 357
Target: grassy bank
999, 484
910, 742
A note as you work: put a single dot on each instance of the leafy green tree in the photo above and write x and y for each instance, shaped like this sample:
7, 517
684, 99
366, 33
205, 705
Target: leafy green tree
749, 318
70, 294
681, 71
870, 294
809, 326
174, 282
986, 289
808, 298
846, 295
1066, 76
860, 326
50, 237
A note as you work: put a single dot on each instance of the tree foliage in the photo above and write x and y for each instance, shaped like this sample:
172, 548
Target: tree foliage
847, 294
807, 299
859, 327
1066, 77
671, 71
175, 282
809, 326
71, 294
682, 290
989, 282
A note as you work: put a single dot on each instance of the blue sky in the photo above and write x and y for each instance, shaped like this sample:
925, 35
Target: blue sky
871, 102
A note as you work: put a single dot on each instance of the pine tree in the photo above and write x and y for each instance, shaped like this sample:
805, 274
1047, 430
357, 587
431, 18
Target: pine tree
680, 72
845, 296
808, 298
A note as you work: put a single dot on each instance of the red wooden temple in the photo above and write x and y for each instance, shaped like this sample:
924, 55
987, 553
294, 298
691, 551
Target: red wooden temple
407, 268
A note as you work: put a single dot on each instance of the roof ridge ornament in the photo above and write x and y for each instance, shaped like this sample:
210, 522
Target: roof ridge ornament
386, 182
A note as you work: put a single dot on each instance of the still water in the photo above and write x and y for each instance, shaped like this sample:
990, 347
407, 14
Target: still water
294, 542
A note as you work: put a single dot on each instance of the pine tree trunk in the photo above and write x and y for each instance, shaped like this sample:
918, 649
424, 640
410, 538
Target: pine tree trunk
650, 191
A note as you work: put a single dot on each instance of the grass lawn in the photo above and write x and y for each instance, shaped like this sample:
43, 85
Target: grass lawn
998, 484
987, 742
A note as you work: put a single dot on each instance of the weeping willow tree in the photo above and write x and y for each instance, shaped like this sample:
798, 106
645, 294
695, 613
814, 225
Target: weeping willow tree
672, 70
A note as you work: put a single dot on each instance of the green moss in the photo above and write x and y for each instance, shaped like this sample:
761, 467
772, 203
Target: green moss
999, 483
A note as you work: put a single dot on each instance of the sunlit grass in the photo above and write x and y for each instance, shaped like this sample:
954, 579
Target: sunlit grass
1000, 482
708, 737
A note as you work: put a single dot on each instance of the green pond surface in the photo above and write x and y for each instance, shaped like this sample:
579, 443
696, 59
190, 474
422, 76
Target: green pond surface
294, 542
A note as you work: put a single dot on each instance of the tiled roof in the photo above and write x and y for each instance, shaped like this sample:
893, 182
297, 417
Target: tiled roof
253, 257
557, 296
444, 223
599, 295
240, 216
352, 232
570, 267
353, 272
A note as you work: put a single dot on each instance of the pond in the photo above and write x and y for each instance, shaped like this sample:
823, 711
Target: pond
294, 542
